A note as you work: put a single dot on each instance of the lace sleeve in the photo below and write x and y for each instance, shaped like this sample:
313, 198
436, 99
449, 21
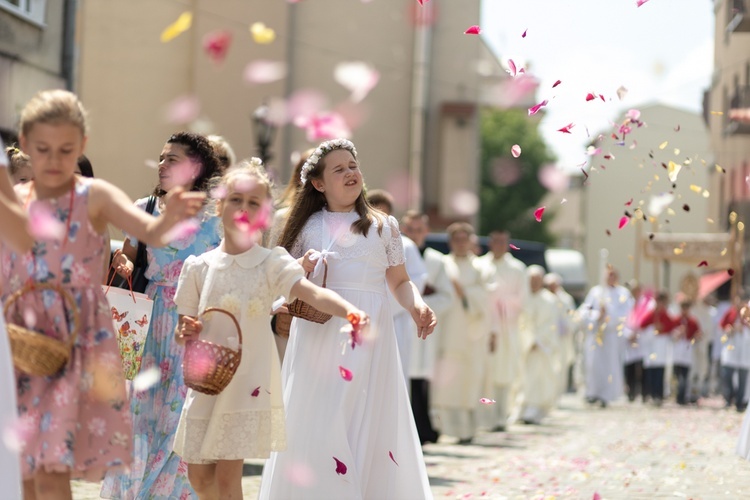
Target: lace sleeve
394, 247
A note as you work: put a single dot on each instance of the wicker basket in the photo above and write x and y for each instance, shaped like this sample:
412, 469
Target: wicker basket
282, 324
33, 352
304, 310
208, 367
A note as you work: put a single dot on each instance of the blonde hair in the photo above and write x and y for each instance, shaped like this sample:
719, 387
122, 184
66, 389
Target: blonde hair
223, 151
17, 159
246, 168
53, 107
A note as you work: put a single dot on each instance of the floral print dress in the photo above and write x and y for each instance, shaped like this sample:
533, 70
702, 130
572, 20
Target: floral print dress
77, 420
157, 472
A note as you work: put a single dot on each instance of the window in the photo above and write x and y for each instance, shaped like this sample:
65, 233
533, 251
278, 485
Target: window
30, 10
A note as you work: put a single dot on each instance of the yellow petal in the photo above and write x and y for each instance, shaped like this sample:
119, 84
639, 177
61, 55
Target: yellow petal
663, 144
181, 25
673, 169
262, 34
676, 151
695, 188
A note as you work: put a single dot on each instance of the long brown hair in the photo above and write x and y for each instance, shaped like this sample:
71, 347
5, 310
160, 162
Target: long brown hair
309, 200
290, 191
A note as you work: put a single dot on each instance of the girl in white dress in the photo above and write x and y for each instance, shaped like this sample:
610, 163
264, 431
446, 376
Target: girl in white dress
246, 420
350, 429
16, 235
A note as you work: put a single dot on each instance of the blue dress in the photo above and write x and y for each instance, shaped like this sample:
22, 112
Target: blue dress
157, 472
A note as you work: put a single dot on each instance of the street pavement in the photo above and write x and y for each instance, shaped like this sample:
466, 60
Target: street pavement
625, 451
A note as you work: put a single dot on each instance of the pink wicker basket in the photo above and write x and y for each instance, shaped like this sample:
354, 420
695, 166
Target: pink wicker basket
208, 367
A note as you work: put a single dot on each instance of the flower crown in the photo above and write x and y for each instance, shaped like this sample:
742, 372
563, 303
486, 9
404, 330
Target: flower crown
322, 150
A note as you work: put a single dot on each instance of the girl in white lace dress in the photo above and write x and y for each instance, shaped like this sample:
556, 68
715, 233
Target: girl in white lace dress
350, 429
246, 420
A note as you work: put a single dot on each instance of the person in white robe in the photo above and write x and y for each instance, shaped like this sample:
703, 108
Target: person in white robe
462, 345
541, 345
406, 329
603, 314
566, 306
705, 313
509, 290
439, 295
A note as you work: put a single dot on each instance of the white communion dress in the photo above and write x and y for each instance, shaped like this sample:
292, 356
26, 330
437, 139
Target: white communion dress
10, 468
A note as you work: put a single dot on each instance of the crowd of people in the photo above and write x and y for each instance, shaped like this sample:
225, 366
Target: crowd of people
340, 407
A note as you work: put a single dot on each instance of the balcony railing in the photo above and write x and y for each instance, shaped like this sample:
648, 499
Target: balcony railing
738, 16
740, 100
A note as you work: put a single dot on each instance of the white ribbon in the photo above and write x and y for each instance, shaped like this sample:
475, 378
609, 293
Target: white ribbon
318, 258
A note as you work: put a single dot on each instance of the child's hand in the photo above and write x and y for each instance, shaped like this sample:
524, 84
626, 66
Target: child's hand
308, 264
189, 327
359, 321
425, 319
181, 204
121, 264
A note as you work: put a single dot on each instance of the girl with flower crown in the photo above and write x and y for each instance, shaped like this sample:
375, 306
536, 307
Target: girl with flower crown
350, 430
246, 420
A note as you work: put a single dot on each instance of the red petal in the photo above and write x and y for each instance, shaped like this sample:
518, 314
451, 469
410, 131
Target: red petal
586, 175
623, 222
630, 202
524, 34
596, 495
566, 129
256, 392
390, 454
216, 45
602, 97
345, 374
340, 466
538, 213
558, 82
590, 97
513, 247
730, 272
534, 109
473, 30
703, 264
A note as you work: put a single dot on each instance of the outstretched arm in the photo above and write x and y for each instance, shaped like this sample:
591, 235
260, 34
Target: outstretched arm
15, 230
325, 300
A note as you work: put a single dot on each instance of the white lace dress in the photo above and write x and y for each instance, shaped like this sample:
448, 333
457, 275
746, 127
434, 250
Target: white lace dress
10, 477
246, 420
347, 439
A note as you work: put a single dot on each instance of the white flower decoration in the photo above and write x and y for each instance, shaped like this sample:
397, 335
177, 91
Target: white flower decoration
230, 303
255, 308
322, 150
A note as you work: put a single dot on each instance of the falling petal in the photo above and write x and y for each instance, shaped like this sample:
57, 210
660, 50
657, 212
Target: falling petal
390, 454
515, 151
523, 35
638, 3
256, 392
558, 82
512, 67
623, 222
553, 178
358, 78
146, 379
465, 202
43, 224
513, 247
473, 30
345, 374
686, 207
730, 272
695, 188
323, 126
181, 25
219, 192
629, 202
622, 92
262, 71
703, 264
487, 401
673, 169
534, 109
663, 144
538, 213
183, 110
151, 163
261, 34
216, 45
566, 128
564, 200
590, 97
677, 128
340, 467
592, 151
596, 495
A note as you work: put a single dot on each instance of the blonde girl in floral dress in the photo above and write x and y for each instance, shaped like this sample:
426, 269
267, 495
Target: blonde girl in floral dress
189, 161
76, 423
246, 420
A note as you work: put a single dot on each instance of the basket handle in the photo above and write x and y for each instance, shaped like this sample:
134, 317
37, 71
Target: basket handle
67, 298
325, 272
234, 320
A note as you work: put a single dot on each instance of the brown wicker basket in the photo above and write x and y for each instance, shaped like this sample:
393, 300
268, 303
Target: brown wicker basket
33, 352
304, 310
209, 367
283, 324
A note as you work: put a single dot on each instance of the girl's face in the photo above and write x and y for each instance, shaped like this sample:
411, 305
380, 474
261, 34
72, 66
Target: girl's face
240, 210
341, 182
176, 168
23, 174
54, 150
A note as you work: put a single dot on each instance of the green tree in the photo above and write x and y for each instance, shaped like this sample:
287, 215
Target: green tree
510, 190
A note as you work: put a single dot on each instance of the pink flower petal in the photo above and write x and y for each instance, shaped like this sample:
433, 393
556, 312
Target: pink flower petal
538, 213
390, 454
323, 126
256, 392
512, 67
515, 151
340, 467
465, 202
346, 375
473, 30
623, 222
566, 128
523, 35
43, 224
597, 496
182, 230
513, 247
487, 401
264, 71
216, 45
534, 109
182, 110
553, 178
602, 98
633, 114
558, 82
357, 77
590, 97
629, 202
638, 3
